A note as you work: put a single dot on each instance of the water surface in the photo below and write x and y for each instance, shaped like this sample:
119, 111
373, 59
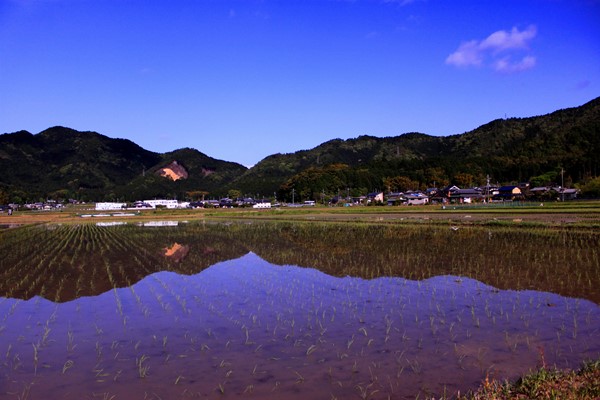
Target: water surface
197, 311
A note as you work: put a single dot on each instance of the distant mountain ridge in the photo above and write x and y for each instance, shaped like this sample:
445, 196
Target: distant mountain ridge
62, 162
508, 150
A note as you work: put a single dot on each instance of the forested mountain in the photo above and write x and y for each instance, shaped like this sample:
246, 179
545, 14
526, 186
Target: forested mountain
508, 150
206, 176
64, 163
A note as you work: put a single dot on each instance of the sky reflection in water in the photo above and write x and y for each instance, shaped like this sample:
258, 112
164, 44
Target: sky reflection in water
249, 328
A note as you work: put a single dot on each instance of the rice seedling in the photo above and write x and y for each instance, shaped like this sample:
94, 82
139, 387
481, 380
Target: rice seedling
67, 365
300, 379
365, 392
70, 341
24, 395
35, 358
141, 367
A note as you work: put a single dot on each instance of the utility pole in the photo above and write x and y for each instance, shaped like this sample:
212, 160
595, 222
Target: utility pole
487, 189
292, 196
562, 184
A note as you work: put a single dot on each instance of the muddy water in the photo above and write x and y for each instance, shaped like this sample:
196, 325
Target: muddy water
251, 329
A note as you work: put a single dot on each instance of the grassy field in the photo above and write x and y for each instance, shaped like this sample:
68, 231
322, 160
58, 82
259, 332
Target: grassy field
579, 214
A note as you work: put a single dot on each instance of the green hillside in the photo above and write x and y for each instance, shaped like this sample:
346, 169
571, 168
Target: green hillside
64, 163
509, 150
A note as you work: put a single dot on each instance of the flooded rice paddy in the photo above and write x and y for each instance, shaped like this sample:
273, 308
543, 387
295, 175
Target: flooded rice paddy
289, 310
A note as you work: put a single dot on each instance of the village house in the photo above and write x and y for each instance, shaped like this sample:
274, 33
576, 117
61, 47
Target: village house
395, 198
170, 204
375, 197
211, 203
467, 196
554, 193
245, 202
509, 193
568, 194
141, 204
431, 192
442, 195
226, 202
416, 199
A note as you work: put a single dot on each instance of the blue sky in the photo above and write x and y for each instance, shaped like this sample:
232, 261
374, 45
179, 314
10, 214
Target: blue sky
240, 80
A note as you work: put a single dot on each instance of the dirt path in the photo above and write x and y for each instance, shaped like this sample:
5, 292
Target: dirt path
585, 216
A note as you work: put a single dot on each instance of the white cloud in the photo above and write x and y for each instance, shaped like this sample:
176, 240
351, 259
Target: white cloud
500, 47
467, 54
505, 65
502, 40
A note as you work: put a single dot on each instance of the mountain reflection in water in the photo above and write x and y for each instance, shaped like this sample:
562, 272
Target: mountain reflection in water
177, 252
64, 262
245, 327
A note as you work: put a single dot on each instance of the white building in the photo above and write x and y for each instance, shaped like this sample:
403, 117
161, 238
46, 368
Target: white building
158, 223
419, 200
164, 203
262, 205
110, 206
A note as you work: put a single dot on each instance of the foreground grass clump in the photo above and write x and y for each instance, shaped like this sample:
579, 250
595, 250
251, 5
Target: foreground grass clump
546, 384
